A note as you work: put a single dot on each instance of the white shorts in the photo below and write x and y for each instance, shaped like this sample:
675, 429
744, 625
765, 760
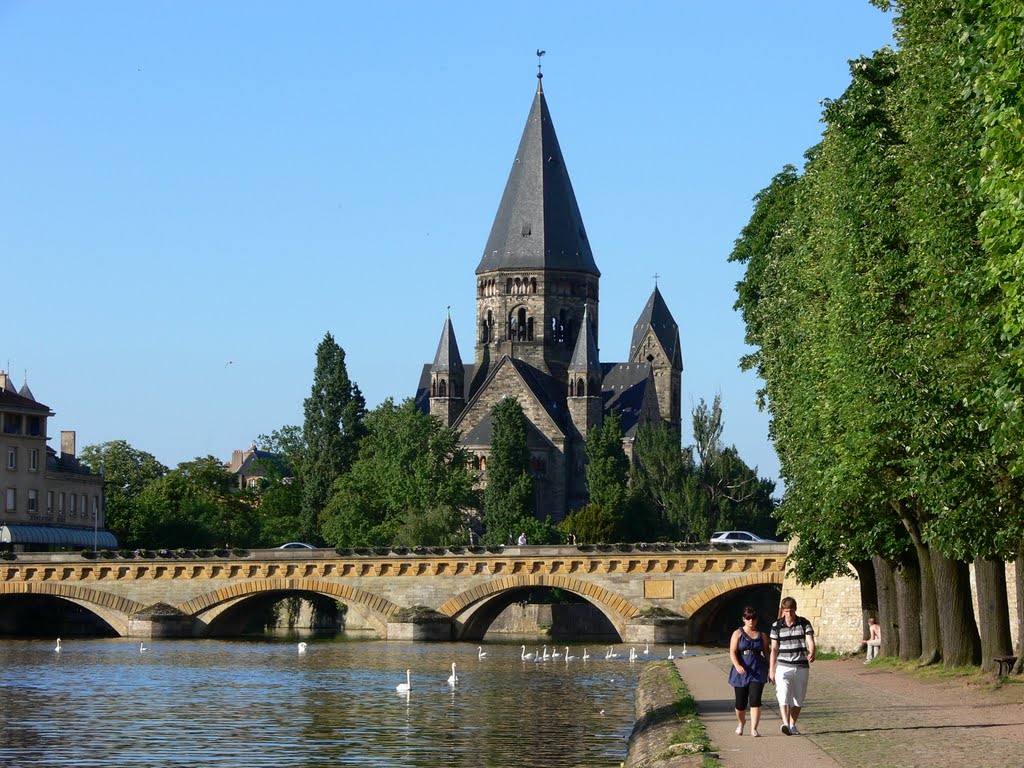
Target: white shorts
791, 684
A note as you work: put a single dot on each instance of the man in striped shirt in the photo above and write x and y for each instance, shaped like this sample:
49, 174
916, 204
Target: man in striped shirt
792, 639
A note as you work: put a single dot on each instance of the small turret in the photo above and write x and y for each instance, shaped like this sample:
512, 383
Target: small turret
447, 378
584, 380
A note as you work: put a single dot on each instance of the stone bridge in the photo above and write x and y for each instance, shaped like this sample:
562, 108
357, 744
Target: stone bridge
649, 593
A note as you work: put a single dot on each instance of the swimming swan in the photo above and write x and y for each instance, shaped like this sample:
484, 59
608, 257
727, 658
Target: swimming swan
670, 656
57, 649
302, 647
555, 654
568, 658
142, 647
406, 686
586, 654
453, 678
480, 652
525, 657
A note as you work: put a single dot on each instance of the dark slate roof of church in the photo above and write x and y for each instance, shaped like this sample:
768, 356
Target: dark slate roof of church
656, 315
447, 359
538, 224
584, 356
623, 390
11, 399
482, 433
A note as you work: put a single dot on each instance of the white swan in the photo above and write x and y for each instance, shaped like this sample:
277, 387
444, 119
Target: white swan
453, 678
302, 647
555, 654
611, 654
546, 654
568, 658
632, 654
670, 656
647, 648
57, 649
586, 654
526, 656
685, 652
406, 686
142, 647
480, 652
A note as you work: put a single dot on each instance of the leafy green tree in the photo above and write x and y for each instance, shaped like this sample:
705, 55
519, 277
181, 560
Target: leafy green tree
196, 505
608, 467
410, 484
509, 506
126, 472
591, 524
278, 500
332, 430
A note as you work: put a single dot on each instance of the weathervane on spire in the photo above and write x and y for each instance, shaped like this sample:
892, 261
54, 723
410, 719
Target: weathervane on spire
540, 75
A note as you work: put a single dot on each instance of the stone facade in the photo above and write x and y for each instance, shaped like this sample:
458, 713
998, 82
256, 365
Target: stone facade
536, 335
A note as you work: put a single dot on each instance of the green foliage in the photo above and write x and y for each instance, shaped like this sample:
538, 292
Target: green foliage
196, 505
409, 485
332, 430
608, 467
509, 506
126, 472
591, 524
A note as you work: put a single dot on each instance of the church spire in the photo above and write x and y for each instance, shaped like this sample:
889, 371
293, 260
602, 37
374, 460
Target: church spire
447, 377
538, 224
584, 357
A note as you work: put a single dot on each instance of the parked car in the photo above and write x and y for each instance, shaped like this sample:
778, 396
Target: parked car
296, 545
738, 537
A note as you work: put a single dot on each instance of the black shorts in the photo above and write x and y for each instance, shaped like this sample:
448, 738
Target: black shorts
751, 692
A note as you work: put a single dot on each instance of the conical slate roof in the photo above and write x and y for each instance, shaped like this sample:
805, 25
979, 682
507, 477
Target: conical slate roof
26, 392
538, 224
447, 359
584, 356
657, 316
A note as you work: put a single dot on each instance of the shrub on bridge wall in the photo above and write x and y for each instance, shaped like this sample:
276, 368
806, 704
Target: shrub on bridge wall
8, 555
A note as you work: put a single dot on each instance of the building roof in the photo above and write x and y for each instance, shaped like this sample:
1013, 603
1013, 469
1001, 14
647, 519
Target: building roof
657, 316
447, 359
538, 224
483, 432
624, 389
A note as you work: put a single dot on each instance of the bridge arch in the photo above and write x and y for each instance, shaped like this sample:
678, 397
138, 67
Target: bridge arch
207, 607
706, 595
465, 605
112, 609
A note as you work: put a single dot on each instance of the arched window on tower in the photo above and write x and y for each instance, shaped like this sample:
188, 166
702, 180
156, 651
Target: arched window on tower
533, 285
580, 391
508, 285
442, 388
521, 324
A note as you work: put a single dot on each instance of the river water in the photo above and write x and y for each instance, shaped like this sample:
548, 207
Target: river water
233, 704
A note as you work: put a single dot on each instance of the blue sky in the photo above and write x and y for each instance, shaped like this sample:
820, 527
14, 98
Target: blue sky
192, 194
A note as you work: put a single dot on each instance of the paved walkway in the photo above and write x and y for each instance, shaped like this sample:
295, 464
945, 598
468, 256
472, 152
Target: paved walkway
865, 717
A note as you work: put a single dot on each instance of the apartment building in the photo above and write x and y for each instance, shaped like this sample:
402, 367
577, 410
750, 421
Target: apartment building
48, 499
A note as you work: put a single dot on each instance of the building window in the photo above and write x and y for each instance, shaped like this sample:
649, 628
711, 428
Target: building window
85, 505
33, 460
72, 508
60, 504
35, 426
33, 500
49, 503
11, 499
12, 458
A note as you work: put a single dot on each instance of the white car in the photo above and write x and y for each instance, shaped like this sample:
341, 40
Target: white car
738, 537
296, 545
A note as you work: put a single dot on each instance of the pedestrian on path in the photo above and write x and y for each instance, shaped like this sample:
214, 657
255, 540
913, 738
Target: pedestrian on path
792, 639
874, 641
749, 673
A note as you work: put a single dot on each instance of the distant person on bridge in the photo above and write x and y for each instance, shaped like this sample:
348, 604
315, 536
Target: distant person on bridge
522, 539
749, 672
874, 641
792, 640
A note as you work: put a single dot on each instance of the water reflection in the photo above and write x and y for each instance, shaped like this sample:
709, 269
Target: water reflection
224, 703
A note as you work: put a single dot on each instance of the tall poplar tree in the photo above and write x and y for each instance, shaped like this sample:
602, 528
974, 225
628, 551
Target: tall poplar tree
332, 429
509, 501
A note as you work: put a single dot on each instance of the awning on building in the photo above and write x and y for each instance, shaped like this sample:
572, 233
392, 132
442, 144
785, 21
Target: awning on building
57, 535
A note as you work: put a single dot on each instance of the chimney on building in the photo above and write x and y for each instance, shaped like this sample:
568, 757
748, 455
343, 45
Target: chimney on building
237, 457
67, 444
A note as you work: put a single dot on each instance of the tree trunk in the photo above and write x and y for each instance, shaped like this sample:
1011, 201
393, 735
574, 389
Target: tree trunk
931, 634
961, 645
908, 604
1018, 581
993, 611
888, 612
868, 591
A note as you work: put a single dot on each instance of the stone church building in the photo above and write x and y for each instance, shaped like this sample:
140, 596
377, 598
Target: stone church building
537, 331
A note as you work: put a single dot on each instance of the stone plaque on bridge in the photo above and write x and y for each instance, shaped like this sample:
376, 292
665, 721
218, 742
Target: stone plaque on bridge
658, 589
